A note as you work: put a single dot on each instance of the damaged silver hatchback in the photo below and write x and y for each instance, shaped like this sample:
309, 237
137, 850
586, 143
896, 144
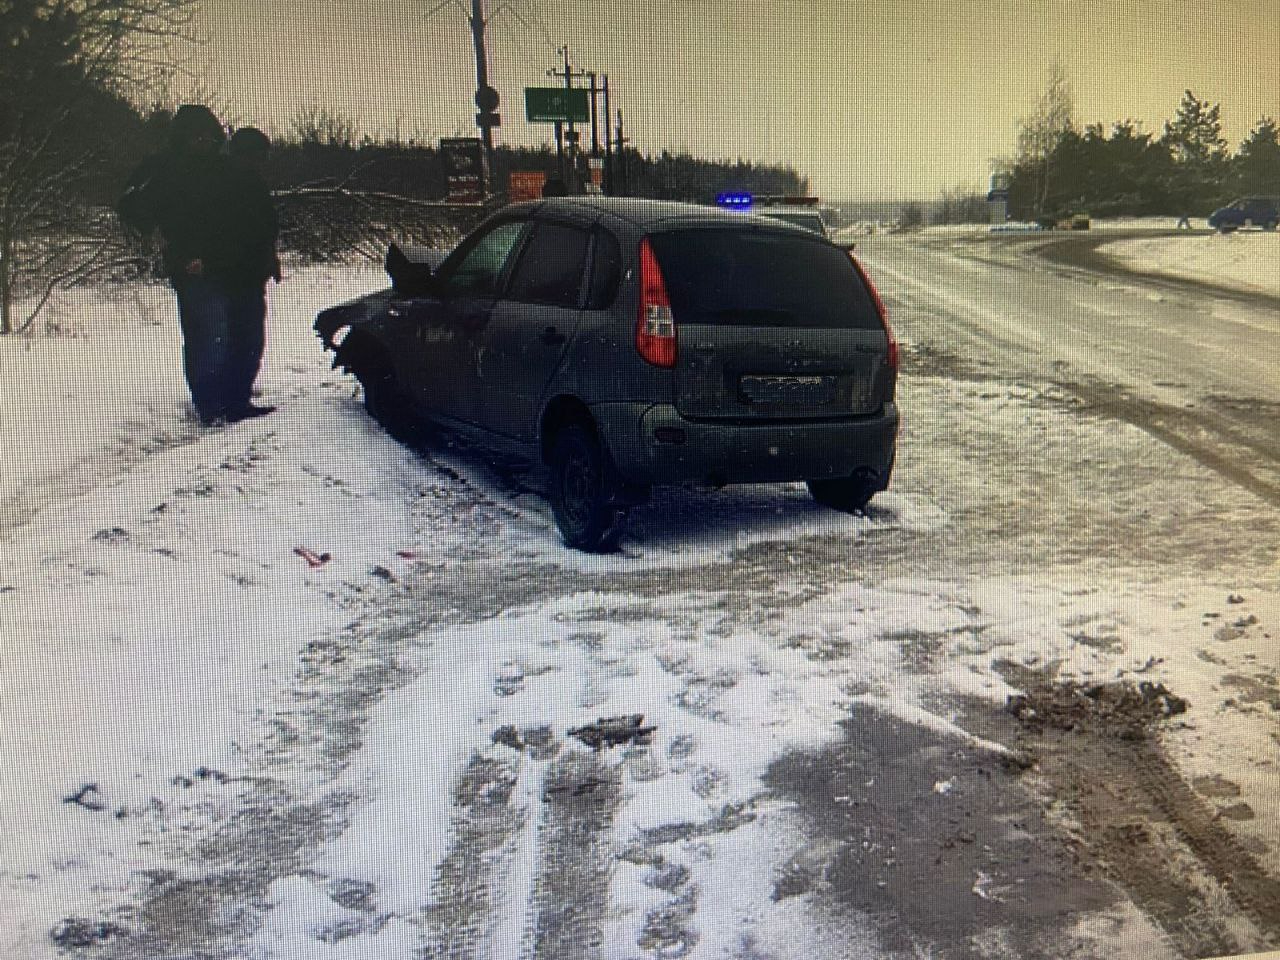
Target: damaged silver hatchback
625, 343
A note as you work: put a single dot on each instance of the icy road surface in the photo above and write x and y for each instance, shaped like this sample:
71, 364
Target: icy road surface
902, 735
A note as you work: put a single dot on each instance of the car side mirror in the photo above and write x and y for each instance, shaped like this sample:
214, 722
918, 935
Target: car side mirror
410, 269
847, 245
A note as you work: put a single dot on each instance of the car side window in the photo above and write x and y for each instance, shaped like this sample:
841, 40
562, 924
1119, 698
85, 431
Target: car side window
477, 272
606, 269
551, 266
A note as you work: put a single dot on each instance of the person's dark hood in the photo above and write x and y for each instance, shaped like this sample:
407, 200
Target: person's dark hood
192, 121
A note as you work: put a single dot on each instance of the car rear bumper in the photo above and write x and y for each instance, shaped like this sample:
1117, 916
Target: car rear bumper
652, 443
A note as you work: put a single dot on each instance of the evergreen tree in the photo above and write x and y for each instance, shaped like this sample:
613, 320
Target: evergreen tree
1199, 154
1257, 164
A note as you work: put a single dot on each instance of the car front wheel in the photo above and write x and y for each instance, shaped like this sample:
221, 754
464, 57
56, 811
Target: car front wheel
581, 492
384, 401
847, 494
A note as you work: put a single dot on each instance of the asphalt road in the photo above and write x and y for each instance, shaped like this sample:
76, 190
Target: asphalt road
1192, 363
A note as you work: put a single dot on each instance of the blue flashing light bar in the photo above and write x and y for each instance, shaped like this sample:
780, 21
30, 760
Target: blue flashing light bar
734, 201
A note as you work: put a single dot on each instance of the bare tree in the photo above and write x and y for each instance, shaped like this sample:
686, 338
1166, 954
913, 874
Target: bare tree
1040, 133
66, 68
318, 125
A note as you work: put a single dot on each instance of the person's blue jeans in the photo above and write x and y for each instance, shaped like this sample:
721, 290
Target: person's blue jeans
248, 318
223, 336
204, 313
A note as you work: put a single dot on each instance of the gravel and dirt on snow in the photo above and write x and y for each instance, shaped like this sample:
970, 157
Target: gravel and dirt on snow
289, 689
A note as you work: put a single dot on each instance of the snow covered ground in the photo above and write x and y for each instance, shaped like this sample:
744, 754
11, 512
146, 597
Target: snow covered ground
175, 679
1248, 259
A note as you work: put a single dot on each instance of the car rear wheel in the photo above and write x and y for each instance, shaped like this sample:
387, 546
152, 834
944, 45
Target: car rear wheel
581, 492
1269, 225
847, 494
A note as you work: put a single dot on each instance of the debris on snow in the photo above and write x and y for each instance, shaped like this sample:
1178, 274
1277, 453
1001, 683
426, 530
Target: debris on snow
508, 736
614, 731
1116, 709
313, 559
1151, 664
88, 796
79, 932
202, 774
981, 885
509, 682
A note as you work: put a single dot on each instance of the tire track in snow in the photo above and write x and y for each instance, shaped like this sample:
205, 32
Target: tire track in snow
581, 796
486, 827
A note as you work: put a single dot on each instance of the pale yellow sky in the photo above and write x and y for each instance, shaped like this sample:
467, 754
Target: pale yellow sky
870, 98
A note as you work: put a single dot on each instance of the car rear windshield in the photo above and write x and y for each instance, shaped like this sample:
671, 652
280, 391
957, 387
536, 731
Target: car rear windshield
749, 276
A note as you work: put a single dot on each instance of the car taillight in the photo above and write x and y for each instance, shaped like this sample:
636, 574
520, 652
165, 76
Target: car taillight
892, 359
656, 324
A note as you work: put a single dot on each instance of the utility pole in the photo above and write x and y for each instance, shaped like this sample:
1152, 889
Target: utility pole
568, 74
608, 140
486, 96
621, 141
595, 134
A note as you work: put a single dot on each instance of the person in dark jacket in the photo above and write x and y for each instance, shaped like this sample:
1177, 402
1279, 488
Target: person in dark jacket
189, 193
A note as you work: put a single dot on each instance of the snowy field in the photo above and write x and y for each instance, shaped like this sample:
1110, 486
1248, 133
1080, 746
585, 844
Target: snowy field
164, 651
1248, 259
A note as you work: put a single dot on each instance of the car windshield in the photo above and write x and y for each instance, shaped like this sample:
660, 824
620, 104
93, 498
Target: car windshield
810, 221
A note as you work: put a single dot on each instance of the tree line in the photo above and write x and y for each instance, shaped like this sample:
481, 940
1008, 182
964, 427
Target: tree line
1186, 170
321, 147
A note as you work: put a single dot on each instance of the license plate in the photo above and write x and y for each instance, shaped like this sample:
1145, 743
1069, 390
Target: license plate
788, 390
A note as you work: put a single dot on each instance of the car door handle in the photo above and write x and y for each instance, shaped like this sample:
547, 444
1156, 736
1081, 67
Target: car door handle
551, 337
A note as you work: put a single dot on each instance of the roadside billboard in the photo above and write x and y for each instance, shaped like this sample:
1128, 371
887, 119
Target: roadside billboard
525, 185
464, 168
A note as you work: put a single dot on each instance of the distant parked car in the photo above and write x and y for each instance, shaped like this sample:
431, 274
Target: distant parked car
1076, 221
1261, 212
628, 343
799, 211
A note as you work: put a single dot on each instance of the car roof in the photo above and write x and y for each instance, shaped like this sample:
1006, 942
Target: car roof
648, 214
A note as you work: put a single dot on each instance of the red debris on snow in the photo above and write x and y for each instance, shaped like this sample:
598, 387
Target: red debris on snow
313, 559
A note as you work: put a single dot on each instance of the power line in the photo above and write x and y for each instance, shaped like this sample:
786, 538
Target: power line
541, 27
441, 6
527, 35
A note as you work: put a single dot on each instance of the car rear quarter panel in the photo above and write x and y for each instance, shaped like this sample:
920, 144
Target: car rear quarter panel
602, 364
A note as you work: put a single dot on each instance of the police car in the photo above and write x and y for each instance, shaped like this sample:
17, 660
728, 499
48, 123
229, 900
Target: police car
798, 211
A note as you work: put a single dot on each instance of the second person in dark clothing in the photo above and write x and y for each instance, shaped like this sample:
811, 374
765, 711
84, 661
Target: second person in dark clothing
217, 225
252, 227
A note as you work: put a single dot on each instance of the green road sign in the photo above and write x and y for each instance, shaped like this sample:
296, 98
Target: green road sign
547, 104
